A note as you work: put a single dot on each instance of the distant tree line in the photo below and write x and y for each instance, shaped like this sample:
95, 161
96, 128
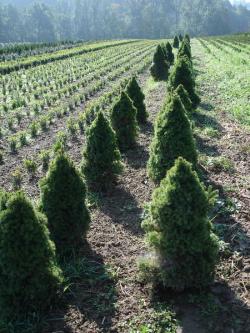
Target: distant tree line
47, 20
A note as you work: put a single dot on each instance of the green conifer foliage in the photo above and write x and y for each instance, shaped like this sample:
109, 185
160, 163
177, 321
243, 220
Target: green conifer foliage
176, 42
164, 50
123, 118
183, 94
187, 37
4, 197
173, 138
179, 231
135, 93
182, 74
169, 53
185, 50
63, 201
159, 68
29, 276
101, 158
180, 37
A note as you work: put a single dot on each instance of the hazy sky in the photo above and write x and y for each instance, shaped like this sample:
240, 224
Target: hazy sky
244, 1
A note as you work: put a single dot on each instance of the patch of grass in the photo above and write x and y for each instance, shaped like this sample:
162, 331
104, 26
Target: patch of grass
203, 119
216, 314
91, 280
150, 85
228, 206
30, 166
17, 178
245, 149
211, 132
94, 200
217, 164
209, 308
161, 320
230, 81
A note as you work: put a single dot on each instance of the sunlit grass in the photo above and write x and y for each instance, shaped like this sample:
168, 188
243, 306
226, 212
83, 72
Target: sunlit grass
150, 85
230, 76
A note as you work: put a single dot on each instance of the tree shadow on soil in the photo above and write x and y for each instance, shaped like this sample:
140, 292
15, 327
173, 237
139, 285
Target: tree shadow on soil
217, 309
205, 147
202, 119
137, 157
89, 302
206, 106
123, 209
227, 227
147, 128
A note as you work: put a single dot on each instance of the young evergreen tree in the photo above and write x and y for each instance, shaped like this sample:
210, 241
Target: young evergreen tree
182, 74
63, 201
123, 118
101, 158
29, 275
135, 93
160, 67
169, 53
187, 37
183, 94
176, 42
185, 50
179, 231
173, 138
180, 37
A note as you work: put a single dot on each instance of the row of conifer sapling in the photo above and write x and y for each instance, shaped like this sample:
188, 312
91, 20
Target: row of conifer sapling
79, 98
183, 247
37, 99
44, 121
43, 59
41, 232
75, 125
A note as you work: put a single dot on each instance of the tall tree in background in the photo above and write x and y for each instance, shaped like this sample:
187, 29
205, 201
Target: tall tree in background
40, 23
27, 20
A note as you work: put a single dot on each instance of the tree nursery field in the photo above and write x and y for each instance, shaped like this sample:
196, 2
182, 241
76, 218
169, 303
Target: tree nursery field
125, 189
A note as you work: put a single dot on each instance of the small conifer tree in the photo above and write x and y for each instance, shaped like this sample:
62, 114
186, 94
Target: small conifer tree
101, 158
185, 50
63, 201
187, 37
176, 42
29, 275
179, 231
182, 74
160, 67
180, 37
123, 118
135, 93
169, 53
183, 94
173, 137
